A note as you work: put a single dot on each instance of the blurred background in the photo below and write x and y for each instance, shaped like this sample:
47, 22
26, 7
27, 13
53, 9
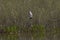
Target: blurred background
14, 20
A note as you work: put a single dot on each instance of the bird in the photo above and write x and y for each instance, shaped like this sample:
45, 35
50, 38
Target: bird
30, 15
30, 20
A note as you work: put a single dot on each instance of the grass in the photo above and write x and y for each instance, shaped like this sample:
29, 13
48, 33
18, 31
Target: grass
11, 33
37, 31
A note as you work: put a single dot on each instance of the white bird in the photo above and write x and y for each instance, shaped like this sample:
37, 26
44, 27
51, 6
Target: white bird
30, 15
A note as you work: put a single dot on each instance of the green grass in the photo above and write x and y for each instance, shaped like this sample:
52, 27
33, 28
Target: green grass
12, 29
37, 31
12, 35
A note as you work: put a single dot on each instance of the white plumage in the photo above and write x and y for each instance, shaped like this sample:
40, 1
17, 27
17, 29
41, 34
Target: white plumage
30, 14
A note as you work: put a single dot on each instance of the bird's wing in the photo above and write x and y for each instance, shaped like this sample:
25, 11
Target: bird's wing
31, 14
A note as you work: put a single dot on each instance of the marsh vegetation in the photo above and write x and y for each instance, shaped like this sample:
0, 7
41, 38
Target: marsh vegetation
14, 21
